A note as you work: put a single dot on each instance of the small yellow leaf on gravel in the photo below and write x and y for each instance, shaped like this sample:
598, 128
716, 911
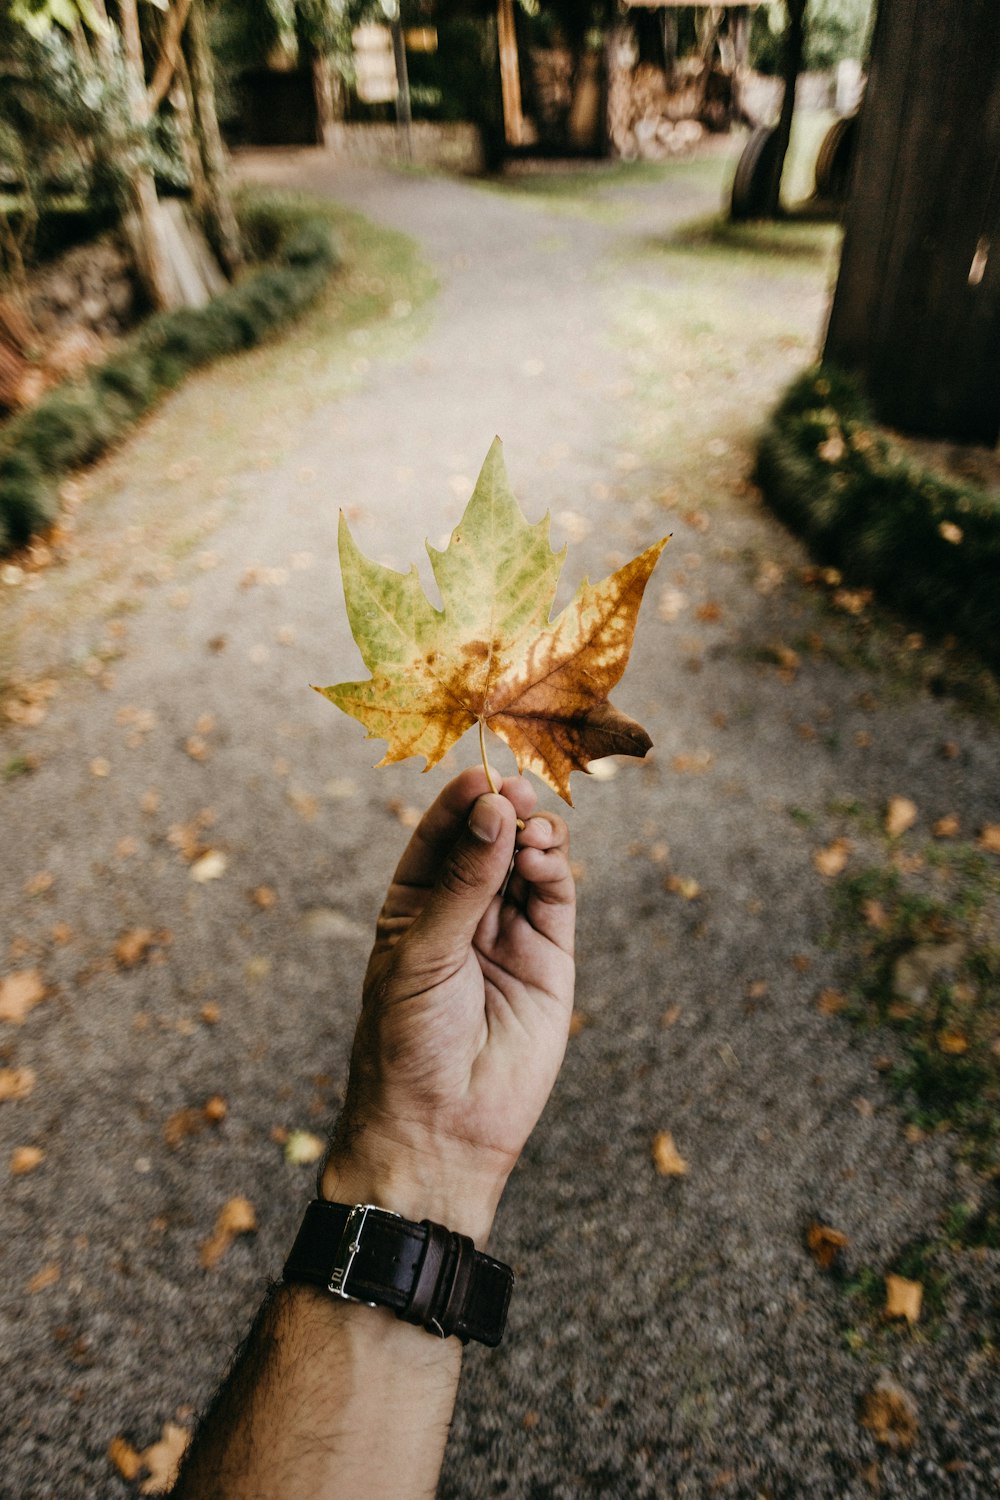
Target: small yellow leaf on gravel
163, 1459
38, 884
100, 767
47, 1276
825, 1244
125, 1458
16, 1083
20, 993
903, 1298
215, 1109
666, 1158
235, 1217
952, 1042
24, 1159
946, 827
683, 885
211, 866
210, 1014
302, 1147
900, 815
833, 859
989, 838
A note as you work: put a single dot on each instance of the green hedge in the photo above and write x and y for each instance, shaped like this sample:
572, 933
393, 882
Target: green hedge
77, 422
928, 545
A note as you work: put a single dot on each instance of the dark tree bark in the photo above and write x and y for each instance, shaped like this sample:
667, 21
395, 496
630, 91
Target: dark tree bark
223, 229
794, 47
916, 313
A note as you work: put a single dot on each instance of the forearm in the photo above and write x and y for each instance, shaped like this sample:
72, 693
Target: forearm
327, 1399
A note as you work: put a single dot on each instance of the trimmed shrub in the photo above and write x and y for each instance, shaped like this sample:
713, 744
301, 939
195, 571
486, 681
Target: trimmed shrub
929, 546
77, 422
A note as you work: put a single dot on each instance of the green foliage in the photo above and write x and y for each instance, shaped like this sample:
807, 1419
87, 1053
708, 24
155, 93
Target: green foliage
928, 545
835, 29
75, 423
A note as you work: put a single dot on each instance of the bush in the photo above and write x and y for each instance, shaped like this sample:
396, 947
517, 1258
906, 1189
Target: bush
77, 422
930, 546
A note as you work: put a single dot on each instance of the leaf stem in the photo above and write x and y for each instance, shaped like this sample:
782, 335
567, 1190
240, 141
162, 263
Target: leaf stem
486, 766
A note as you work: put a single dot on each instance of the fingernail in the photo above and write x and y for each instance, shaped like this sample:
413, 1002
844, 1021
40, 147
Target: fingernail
485, 819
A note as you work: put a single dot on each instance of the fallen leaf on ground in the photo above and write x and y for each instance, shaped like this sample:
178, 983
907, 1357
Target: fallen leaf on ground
150, 800
24, 1159
235, 1217
126, 847
38, 884
989, 838
826, 1245
305, 804
903, 1298
666, 1158
47, 1276
16, 1083
695, 764
952, 1042
263, 896
578, 1022
100, 767
19, 993
186, 837
197, 747
831, 1002
190, 1121
125, 1458
211, 866
683, 885
833, 859
947, 827
492, 656
302, 1147
890, 1414
900, 815
875, 915
132, 947
671, 1016
163, 1459
210, 1014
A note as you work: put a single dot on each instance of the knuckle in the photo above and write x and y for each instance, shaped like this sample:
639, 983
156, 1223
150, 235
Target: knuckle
461, 877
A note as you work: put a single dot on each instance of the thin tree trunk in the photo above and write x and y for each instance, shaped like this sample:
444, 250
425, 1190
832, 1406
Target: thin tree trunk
795, 38
184, 115
144, 231
170, 55
223, 228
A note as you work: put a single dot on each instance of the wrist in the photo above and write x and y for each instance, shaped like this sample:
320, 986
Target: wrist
416, 1181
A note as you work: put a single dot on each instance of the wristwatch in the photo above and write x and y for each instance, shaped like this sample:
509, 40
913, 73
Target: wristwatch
426, 1273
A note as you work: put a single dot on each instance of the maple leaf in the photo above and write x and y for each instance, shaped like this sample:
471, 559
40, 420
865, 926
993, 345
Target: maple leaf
492, 656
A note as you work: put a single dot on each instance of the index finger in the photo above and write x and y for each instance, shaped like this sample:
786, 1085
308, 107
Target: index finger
444, 820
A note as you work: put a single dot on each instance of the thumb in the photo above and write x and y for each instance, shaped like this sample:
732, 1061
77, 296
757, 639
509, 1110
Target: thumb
474, 870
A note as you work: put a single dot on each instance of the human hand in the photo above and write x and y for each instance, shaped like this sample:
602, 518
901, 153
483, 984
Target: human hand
465, 1011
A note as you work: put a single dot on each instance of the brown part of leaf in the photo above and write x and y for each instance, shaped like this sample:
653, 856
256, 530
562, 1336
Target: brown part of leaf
24, 1159
890, 1414
19, 993
826, 1245
235, 1217
132, 946
126, 1460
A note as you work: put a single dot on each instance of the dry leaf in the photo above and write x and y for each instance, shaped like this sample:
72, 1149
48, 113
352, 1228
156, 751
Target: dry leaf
683, 885
16, 1083
952, 1042
235, 1217
666, 1158
263, 896
163, 1459
578, 1022
826, 1245
100, 767
193, 1119
833, 859
695, 764
302, 1148
24, 1159
903, 1298
890, 1415
901, 814
211, 866
132, 947
210, 1013
197, 747
125, 1458
20, 993
947, 827
38, 884
492, 656
831, 1002
47, 1276
671, 1016
989, 838
61, 933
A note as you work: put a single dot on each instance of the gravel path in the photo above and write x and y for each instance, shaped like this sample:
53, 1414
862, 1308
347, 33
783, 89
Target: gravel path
670, 1336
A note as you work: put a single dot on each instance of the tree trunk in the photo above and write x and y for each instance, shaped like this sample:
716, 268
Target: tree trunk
144, 229
223, 229
916, 313
795, 39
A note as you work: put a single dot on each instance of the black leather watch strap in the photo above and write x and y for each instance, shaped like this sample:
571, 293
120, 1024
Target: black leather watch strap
427, 1274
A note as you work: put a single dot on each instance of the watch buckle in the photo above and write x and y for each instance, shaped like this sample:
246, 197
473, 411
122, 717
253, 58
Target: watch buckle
350, 1244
